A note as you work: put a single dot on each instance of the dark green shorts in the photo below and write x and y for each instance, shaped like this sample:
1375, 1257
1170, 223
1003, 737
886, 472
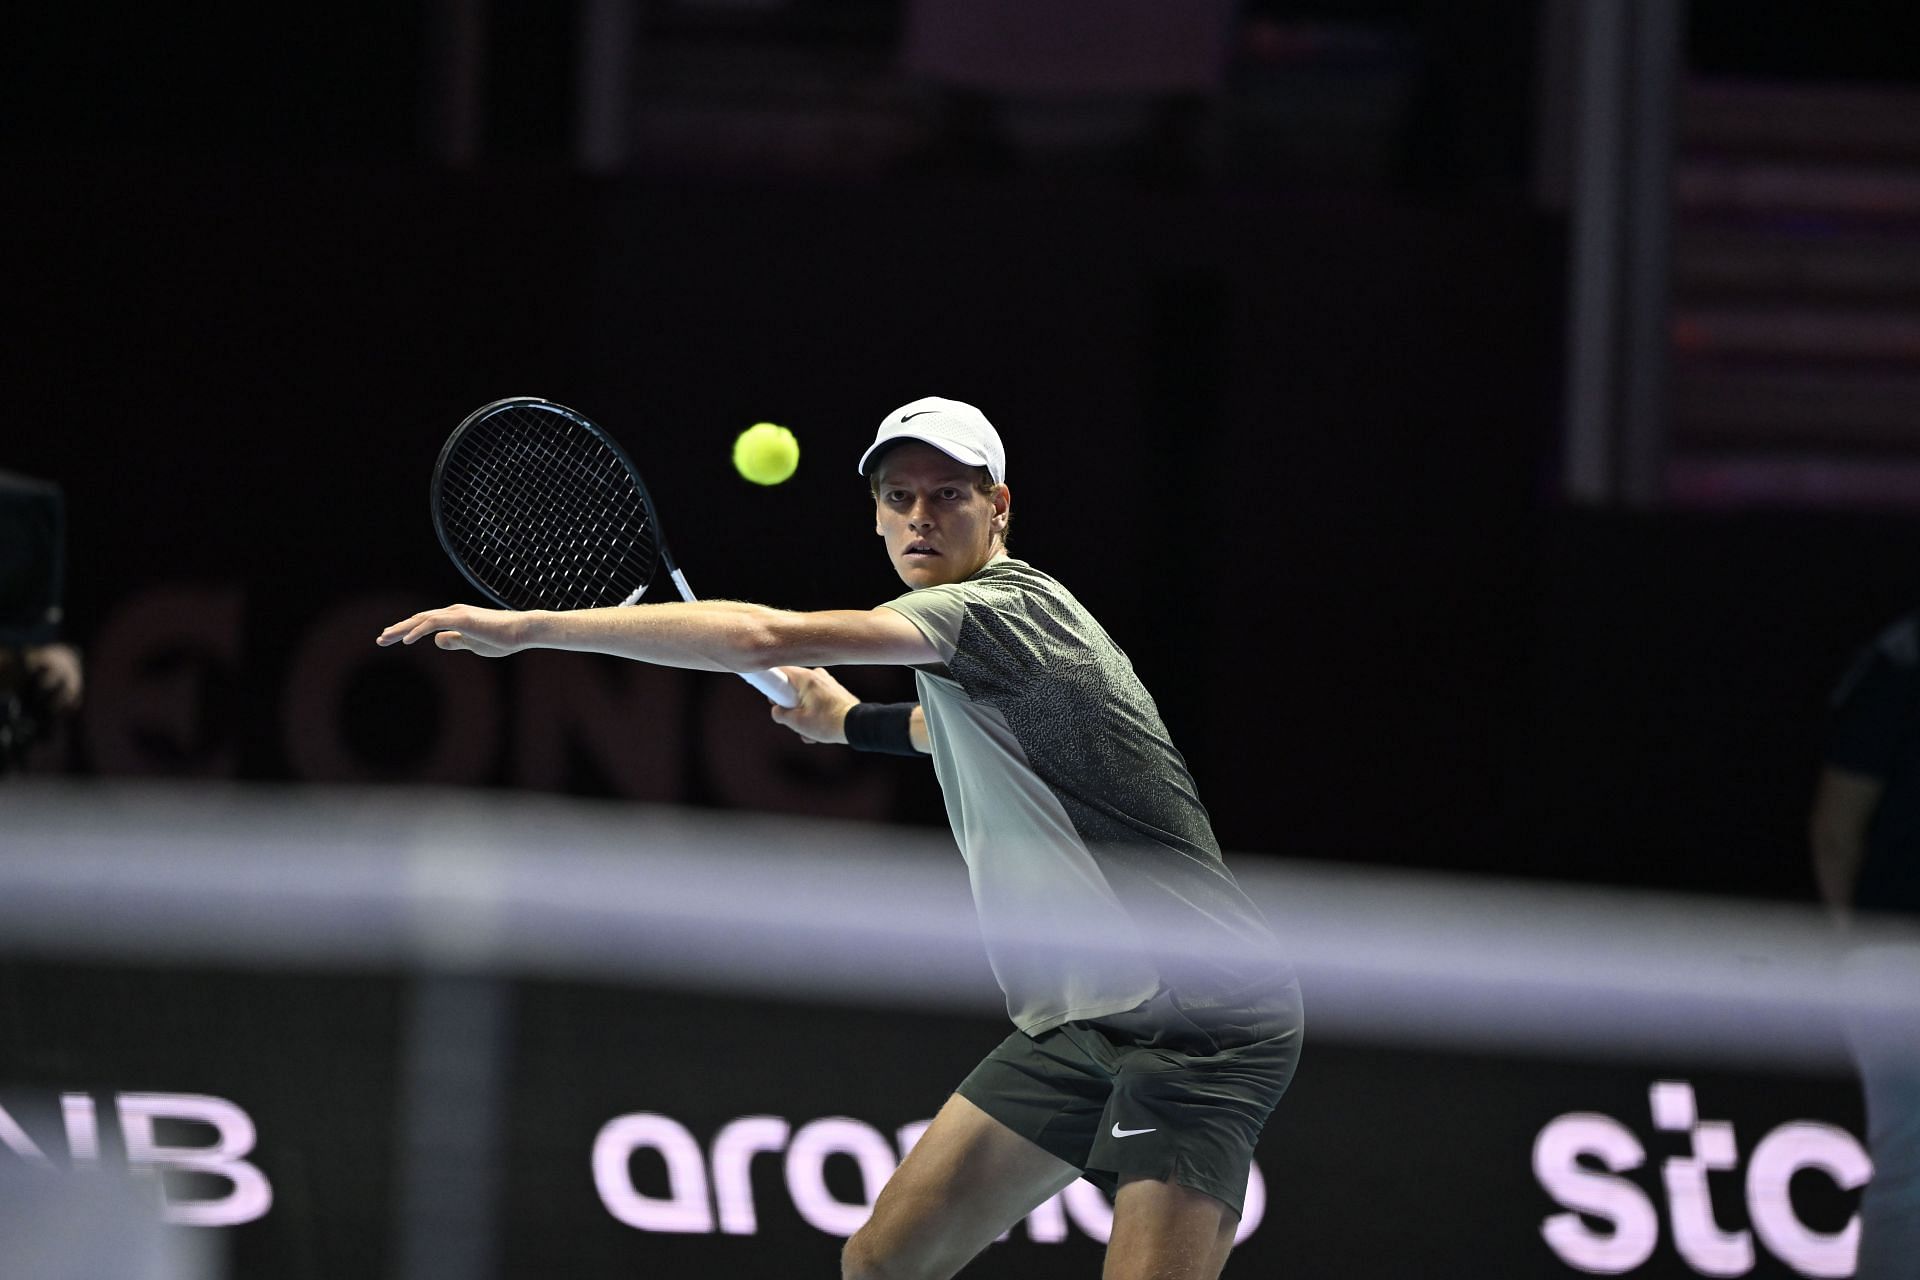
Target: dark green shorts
1159, 1092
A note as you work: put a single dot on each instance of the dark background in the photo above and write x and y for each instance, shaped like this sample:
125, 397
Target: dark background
1292, 433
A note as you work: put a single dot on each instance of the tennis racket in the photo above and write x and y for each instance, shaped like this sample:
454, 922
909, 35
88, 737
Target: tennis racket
541, 509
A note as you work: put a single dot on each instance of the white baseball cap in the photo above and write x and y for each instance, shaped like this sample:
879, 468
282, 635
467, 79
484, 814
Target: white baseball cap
958, 430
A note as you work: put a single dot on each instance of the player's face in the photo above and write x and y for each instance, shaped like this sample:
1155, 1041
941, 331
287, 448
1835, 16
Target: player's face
938, 525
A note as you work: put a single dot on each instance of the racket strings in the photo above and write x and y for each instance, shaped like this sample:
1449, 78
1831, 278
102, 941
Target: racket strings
571, 564
583, 500
544, 512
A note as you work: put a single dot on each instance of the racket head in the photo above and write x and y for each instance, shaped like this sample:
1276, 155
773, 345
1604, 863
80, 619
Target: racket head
541, 509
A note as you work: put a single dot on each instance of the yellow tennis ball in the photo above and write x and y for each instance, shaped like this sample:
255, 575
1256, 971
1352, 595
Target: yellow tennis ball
765, 453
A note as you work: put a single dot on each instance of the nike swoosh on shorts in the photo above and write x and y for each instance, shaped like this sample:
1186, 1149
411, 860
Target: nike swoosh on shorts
1118, 1132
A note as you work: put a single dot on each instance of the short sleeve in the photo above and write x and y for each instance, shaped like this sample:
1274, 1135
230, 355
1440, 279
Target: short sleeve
1874, 711
939, 613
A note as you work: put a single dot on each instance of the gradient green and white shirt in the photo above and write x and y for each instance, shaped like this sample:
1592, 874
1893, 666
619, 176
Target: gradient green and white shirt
1093, 863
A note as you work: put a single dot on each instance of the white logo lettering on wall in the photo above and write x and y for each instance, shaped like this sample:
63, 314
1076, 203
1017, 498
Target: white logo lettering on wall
1632, 1221
710, 1190
247, 1195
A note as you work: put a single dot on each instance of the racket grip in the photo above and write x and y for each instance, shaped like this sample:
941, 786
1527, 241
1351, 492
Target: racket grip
771, 683
774, 685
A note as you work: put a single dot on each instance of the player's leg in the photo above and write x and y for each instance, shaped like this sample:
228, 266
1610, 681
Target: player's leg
968, 1179
1178, 1132
1164, 1231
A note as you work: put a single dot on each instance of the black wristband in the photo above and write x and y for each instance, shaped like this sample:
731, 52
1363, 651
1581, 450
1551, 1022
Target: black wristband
881, 726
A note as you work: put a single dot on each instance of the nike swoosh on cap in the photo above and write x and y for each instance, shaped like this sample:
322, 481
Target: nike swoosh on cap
908, 417
1118, 1132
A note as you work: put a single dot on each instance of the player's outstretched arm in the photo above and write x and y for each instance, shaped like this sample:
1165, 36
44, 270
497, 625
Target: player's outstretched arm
705, 635
821, 713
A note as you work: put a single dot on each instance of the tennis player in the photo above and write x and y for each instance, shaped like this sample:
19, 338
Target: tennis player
1155, 1025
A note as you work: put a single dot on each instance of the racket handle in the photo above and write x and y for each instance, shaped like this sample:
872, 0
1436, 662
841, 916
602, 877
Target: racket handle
771, 683
774, 685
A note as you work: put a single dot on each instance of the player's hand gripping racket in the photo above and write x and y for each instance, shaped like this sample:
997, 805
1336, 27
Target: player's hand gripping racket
540, 509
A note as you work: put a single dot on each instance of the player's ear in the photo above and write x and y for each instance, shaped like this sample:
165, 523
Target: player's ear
1002, 499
